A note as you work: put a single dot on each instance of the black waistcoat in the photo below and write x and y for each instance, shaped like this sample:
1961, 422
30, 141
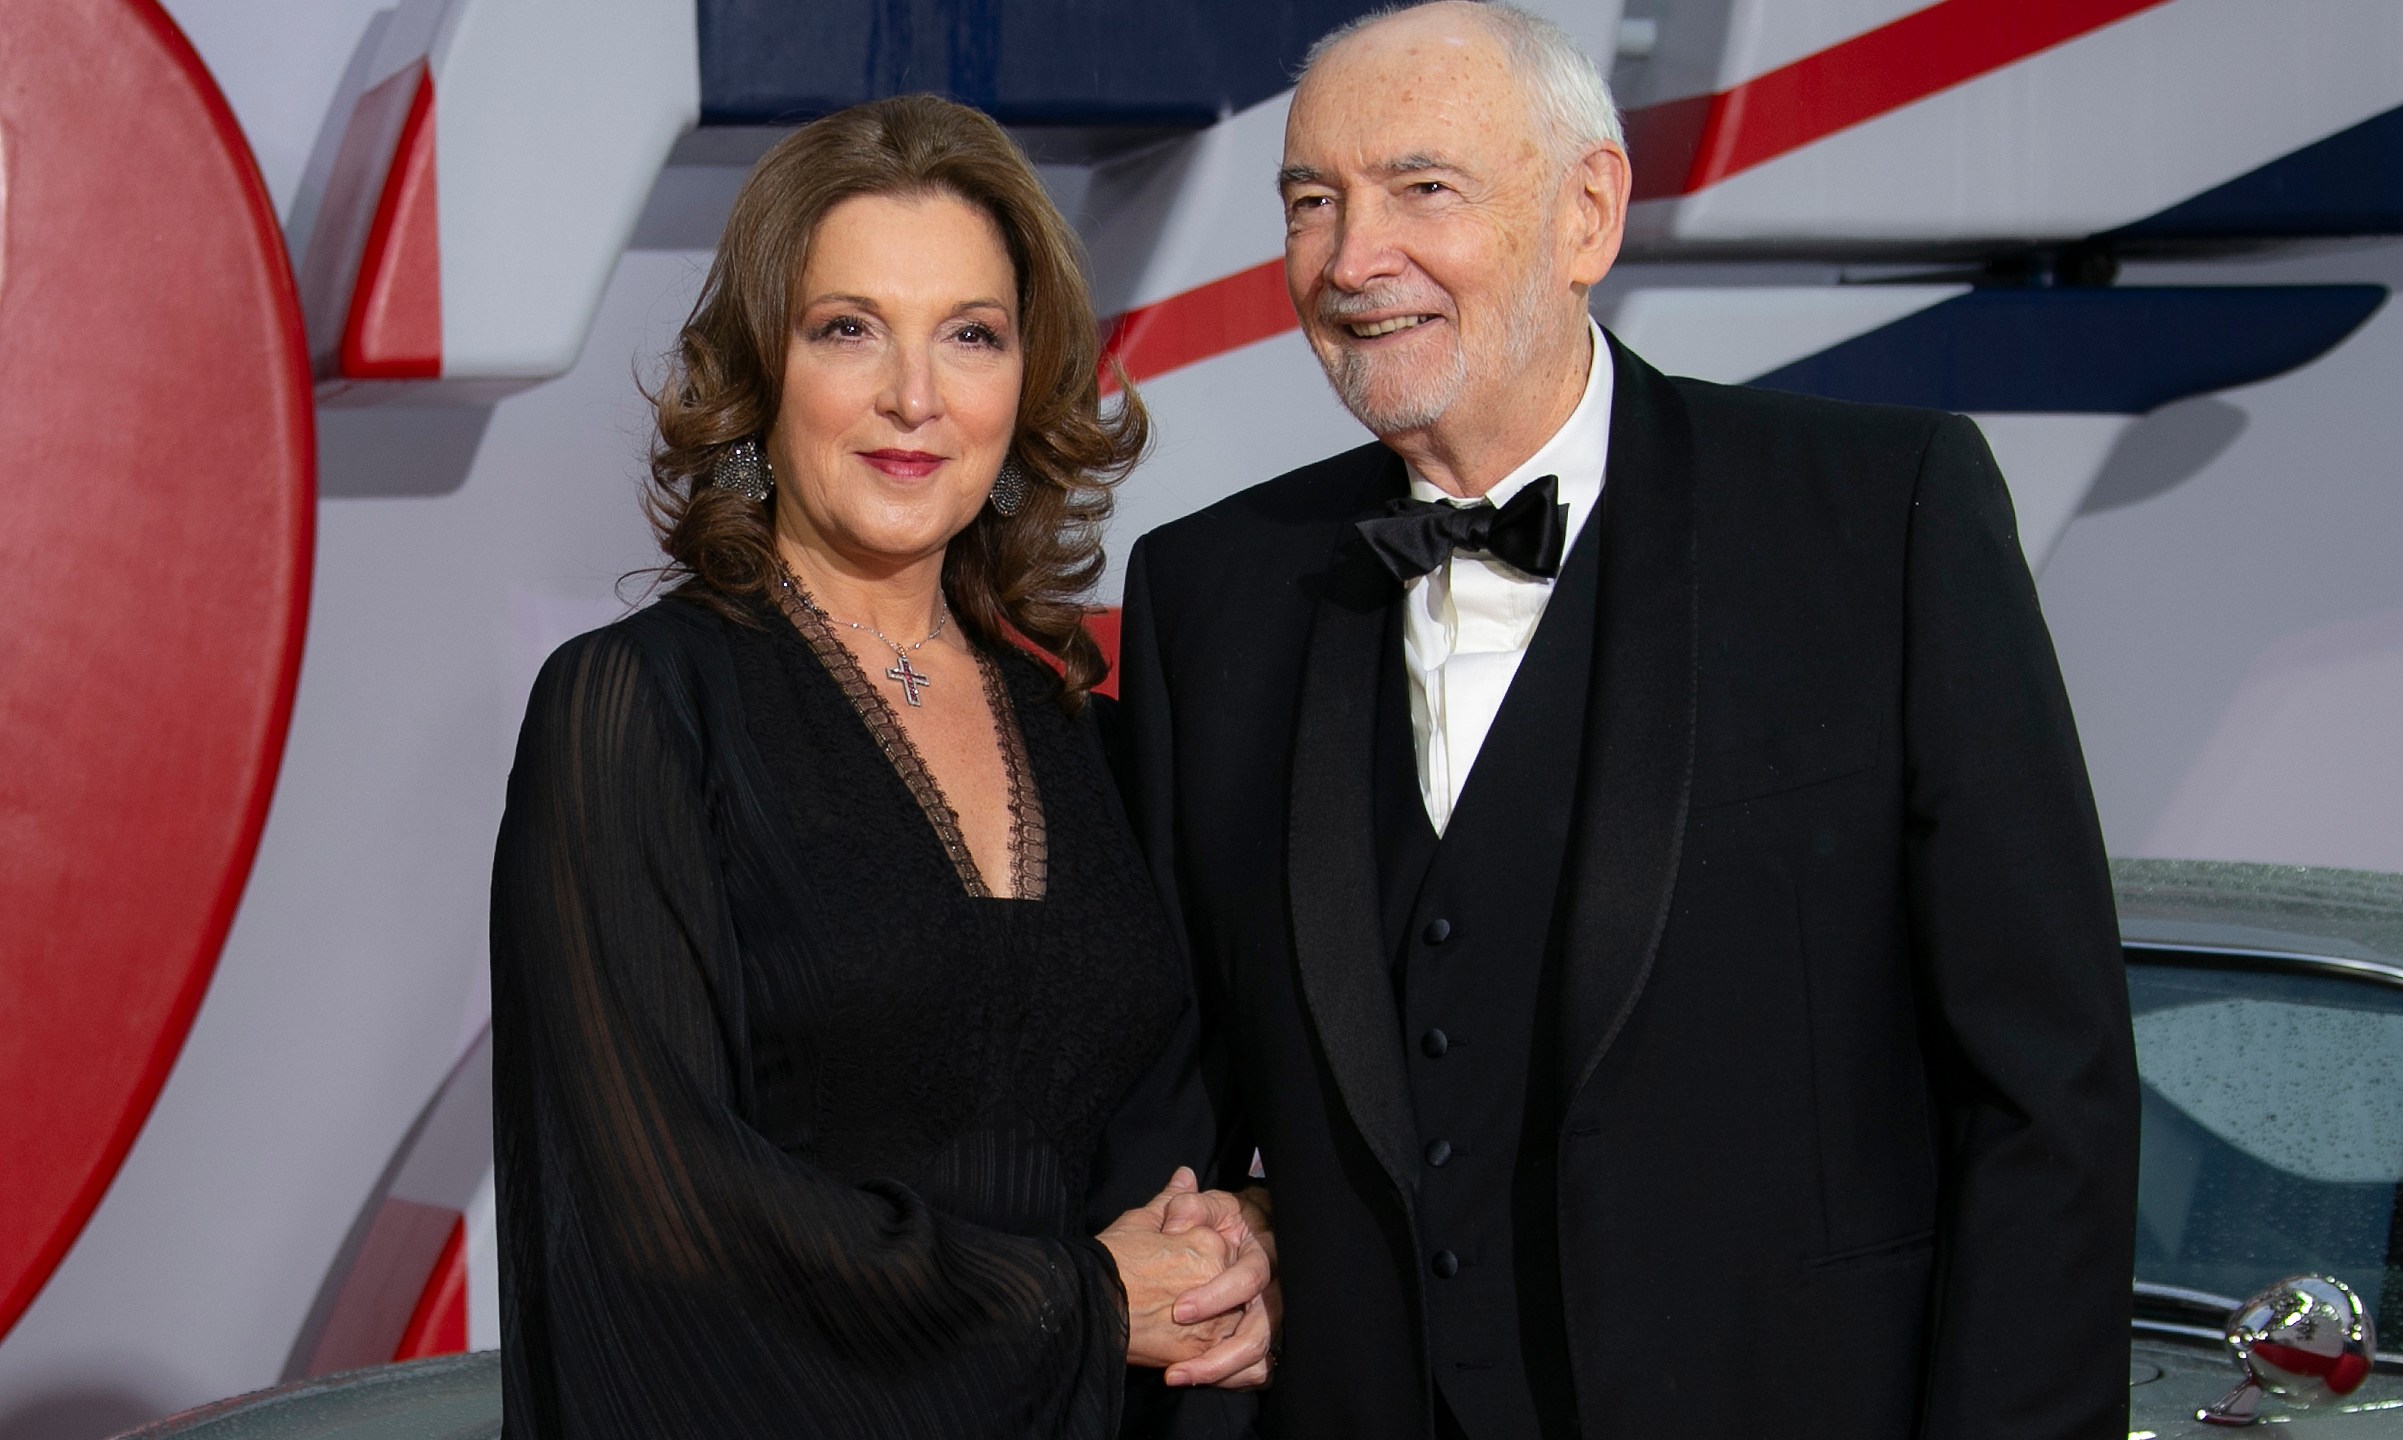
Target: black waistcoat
1470, 922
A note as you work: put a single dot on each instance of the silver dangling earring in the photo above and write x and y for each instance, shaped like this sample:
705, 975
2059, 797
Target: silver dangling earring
742, 469
1009, 488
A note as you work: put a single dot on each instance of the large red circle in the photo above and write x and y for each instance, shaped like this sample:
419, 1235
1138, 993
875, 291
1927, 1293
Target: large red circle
157, 493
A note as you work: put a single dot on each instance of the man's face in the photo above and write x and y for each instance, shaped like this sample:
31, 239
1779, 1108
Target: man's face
1422, 235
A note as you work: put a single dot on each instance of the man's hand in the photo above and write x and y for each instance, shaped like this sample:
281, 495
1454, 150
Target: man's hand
1246, 1359
1158, 1267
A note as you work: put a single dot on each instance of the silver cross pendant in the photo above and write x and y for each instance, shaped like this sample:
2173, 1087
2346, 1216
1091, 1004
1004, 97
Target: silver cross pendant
907, 676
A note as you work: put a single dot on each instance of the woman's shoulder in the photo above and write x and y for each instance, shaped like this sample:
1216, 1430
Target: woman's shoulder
664, 651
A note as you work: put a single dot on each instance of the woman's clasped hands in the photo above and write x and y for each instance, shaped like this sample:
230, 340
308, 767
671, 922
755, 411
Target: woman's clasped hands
1199, 1270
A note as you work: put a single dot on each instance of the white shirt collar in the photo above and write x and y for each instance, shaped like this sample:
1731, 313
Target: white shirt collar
1467, 623
1576, 453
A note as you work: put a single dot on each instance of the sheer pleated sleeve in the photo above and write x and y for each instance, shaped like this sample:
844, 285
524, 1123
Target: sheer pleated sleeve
667, 1269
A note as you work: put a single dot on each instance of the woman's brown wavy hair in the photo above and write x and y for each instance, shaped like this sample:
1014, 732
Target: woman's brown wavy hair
1028, 573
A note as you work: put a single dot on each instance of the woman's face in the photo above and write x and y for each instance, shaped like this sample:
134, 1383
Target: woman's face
901, 379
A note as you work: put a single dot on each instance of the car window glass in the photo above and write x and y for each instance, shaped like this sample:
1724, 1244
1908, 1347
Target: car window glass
2273, 1128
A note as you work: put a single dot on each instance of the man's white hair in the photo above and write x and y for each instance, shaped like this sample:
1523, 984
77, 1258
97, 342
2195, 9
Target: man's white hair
1571, 99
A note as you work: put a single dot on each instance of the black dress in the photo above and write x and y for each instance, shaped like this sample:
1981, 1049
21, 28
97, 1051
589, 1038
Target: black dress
795, 1126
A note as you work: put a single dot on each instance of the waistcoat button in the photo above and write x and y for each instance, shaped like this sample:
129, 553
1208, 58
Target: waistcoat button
1445, 1264
1438, 1151
1433, 1044
1438, 931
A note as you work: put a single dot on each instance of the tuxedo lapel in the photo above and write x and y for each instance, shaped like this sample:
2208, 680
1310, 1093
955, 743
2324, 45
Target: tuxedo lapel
1639, 744
1331, 860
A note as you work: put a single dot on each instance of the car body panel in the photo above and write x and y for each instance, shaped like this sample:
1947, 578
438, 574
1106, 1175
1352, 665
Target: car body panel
450, 1397
2170, 1379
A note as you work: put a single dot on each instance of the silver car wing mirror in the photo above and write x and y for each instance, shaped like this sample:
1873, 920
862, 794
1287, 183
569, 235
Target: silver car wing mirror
2306, 1340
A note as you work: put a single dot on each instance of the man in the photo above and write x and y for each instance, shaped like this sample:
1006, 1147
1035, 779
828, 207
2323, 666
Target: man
1641, 875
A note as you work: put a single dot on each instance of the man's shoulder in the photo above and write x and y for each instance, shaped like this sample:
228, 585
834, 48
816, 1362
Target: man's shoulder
1733, 421
1819, 473
1288, 519
1754, 407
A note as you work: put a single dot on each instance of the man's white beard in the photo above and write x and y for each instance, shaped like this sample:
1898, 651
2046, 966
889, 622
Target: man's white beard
1353, 380
1352, 373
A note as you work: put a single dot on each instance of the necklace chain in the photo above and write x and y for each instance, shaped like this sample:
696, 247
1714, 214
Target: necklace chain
906, 675
913, 647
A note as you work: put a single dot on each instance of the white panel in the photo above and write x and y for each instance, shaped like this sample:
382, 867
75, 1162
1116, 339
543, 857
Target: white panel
1711, 45
281, 64
2084, 137
1690, 43
1189, 212
1593, 24
1225, 425
482, 1223
2302, 767
2229, 605
451, 1153
1733, 334
552, 120
412, 29
2050, 462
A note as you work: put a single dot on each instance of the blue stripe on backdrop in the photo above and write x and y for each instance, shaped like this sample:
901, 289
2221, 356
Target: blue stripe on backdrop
2077, 351
1026, 62
2348, 184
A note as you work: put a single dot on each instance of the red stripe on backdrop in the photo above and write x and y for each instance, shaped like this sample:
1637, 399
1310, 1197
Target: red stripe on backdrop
399, 1262
438, 1324
394, 330
1102, 625
1683, 146
1207, 320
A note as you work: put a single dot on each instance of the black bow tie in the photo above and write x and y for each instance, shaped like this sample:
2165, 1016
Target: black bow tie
1415, 536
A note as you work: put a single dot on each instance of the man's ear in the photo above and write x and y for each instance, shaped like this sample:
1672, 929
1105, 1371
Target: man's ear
1595, 216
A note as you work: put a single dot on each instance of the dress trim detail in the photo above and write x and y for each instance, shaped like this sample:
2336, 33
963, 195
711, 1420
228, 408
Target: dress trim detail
1030, 839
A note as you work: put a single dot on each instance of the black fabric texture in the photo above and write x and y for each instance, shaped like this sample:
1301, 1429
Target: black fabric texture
1406, 838
794, 1136
1841, 1023
1477, 961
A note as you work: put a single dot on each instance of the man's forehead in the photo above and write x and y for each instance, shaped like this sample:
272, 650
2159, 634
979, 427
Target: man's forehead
1426, 45
1381, 141
1380, 98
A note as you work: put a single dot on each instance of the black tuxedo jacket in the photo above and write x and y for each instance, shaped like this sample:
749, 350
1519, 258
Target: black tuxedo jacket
1847, 1143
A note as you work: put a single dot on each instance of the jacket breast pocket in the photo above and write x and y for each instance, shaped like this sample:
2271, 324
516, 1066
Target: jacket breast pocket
1770, 762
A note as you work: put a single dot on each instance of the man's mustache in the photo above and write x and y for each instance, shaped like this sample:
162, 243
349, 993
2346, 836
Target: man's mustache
1337, 307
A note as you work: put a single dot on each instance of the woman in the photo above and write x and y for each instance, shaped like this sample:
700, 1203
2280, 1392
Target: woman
821, 953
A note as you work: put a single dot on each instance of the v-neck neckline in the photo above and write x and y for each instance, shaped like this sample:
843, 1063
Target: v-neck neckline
1029, 843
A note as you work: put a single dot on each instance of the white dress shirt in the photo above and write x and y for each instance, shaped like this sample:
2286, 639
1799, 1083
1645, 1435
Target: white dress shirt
1466, 624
